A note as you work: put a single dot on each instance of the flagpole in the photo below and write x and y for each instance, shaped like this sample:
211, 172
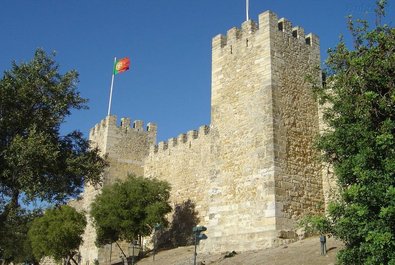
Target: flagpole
112, 84
247, 10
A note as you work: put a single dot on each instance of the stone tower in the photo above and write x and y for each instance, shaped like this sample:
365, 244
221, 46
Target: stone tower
264, 119
126, 147
253, 171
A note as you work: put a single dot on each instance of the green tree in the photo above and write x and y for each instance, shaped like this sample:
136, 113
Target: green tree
127, 210
316, 224
37, 163
57, 234
359, 94
15, 246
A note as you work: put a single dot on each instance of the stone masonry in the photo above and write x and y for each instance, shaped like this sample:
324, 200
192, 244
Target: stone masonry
126, 147
253, 171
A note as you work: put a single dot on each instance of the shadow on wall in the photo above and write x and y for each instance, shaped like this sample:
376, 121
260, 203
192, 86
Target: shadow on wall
185, 217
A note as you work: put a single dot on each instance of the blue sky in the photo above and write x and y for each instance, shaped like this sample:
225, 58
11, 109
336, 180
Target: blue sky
168, 42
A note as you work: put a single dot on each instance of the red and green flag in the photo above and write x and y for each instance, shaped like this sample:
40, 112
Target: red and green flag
121, 65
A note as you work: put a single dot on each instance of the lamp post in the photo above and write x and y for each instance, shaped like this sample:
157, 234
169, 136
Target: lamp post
197, 230
134, 244
157, 228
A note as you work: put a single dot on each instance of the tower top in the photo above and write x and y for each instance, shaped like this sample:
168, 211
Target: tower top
267, 21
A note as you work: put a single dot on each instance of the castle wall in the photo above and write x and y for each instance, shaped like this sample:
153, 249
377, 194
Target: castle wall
185, 163
266, 120
254, 170
298, 183
125, 147
242, 209
89, 251
329, 181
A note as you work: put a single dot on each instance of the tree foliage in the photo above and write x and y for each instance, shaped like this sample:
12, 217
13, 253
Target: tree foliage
316, 224
360, 142
35, 159
126, 210
15, 246
57, 234
37, 163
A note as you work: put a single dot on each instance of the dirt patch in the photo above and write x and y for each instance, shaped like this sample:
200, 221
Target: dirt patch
304, 252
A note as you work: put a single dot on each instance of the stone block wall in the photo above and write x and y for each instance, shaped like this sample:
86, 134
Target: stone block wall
242, 209
125, 146
254, 170
298, 182
329, 181
184, 162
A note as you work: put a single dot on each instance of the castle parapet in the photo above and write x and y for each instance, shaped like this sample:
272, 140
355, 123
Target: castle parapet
153, 148
298, 32
219, 41
192, 134
107, 122
267, 21
151, 127
181, 140
249, 27
138, 125
284, 25
110, 124
233, 34
204, 130
125, 123
312, 40
173, 141
163, 145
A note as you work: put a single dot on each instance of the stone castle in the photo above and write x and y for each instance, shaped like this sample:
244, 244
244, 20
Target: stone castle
253, 171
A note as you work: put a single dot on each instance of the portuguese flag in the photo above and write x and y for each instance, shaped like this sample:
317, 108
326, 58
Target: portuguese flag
121, 65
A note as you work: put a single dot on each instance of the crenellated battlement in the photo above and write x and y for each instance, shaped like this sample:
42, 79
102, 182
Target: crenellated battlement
268, 21
183, 138
234, 34
253, 171
297, 32
110, 124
